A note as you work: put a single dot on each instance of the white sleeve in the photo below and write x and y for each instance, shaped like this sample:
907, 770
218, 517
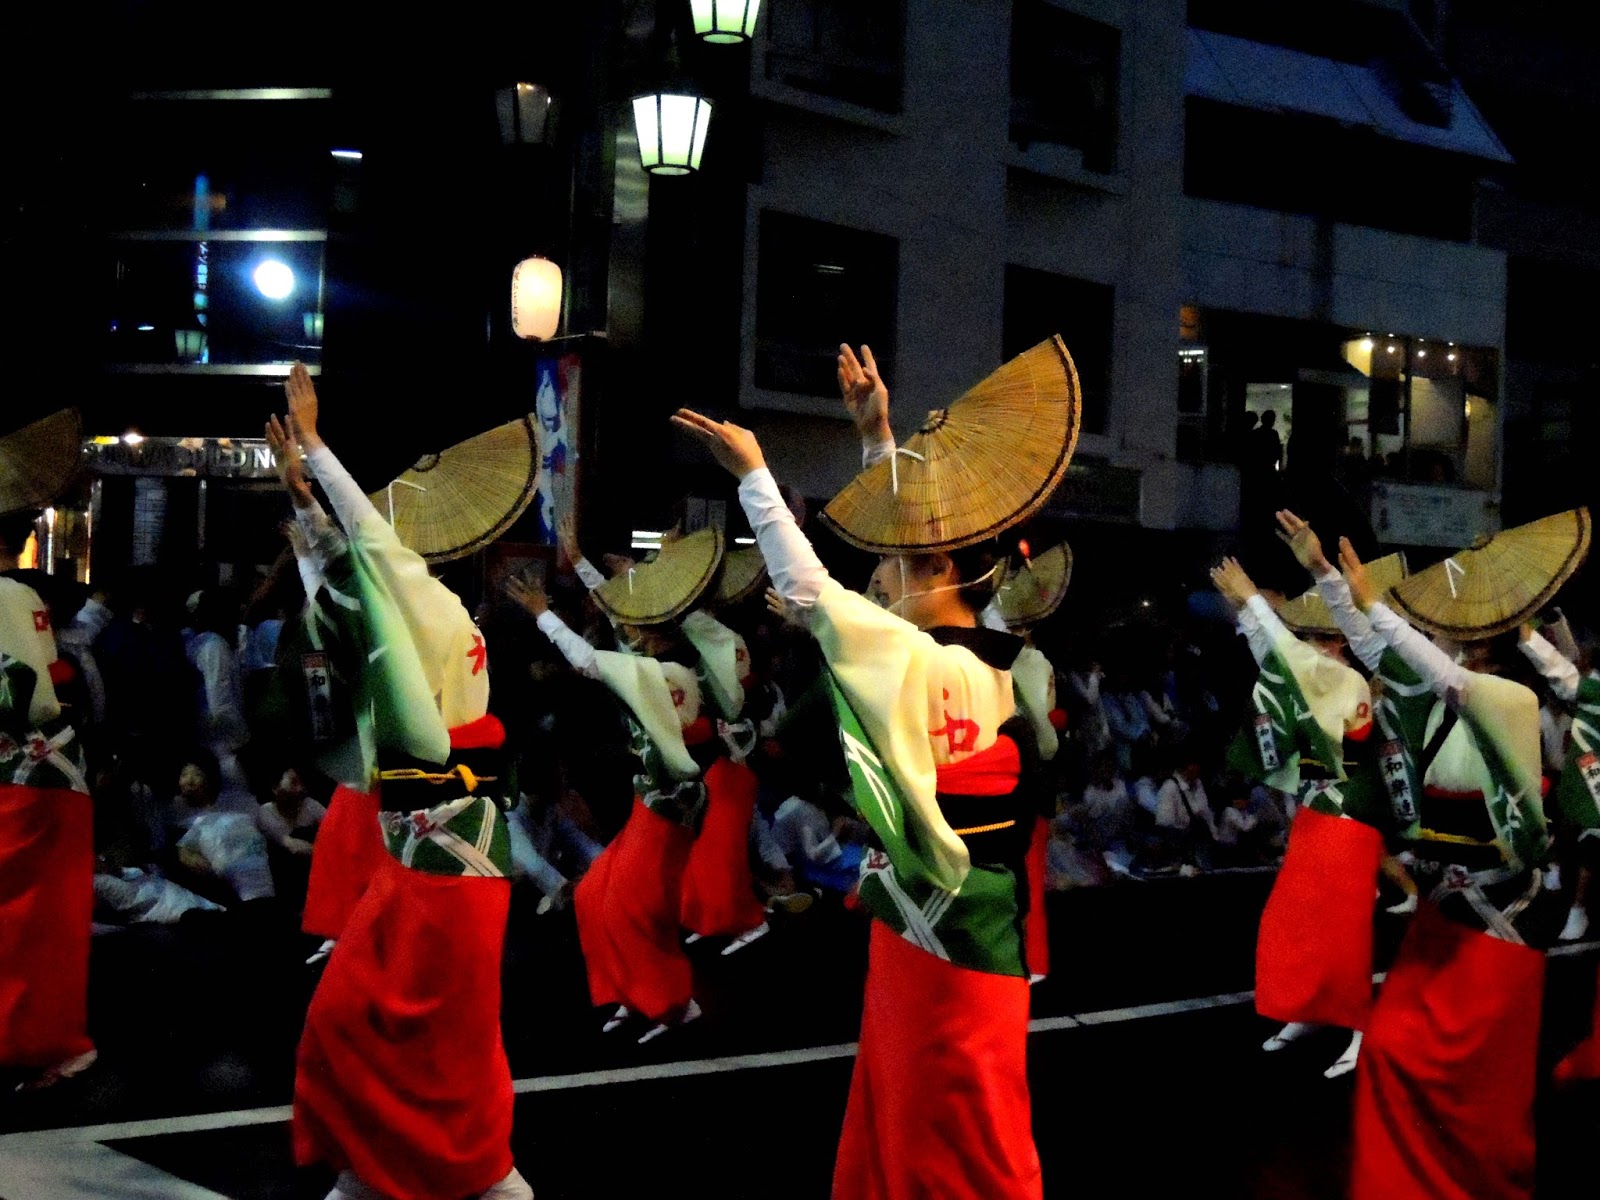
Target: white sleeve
1557, 671
590, 574
1365, 643
797, 572
350, 503
1439, 671
1257, 635
576, 651
224, 706
873, 453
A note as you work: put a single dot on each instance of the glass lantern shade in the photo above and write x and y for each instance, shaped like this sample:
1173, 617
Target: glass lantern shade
536, 299
672, 132
725, 21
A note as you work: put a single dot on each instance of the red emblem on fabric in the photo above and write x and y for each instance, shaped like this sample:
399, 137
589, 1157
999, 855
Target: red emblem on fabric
41, 620
678, 697
960, 735
479, 654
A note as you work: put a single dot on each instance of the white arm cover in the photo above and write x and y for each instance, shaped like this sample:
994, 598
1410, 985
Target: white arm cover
1557, 671
873, 453
576, 651
1365, 643
1439, 671
350, 503
590, 574
797, 572
1254, 620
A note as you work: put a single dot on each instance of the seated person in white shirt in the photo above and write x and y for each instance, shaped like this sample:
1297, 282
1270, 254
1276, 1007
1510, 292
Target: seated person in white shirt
1184, 813
222, 849
811, 843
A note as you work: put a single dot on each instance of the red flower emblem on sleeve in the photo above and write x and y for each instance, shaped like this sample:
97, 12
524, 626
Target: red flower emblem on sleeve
479, 654
41, 620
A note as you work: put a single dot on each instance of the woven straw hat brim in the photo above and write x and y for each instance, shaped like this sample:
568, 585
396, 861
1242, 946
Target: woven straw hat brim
459, 500
38, 461
743, 571
1032, 593
974, 470
1307, 613
1499, 582
668, 585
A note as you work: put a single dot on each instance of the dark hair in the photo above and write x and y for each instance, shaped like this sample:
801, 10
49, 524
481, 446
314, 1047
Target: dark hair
975, 569
14, 530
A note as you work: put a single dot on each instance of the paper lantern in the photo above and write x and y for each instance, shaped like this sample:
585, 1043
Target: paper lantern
536, 299
725, 21
672, 132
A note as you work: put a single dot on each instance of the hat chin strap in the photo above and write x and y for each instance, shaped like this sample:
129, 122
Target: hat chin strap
947, 587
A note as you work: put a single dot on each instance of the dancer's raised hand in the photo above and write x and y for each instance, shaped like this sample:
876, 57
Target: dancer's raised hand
302, 407
731, 445
1303, 540
528, 593
1232, 582
286, 457
1355, 574
865, 394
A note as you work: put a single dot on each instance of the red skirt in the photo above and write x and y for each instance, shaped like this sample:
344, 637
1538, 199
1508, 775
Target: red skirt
46, 907
719, 891
1314, 948
1583, 1063
1035, 926
401, 1076
347, 852
939, 1099
1445, 1084
627, 908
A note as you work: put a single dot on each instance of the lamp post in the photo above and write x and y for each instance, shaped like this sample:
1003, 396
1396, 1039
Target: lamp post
672, 131
724, 21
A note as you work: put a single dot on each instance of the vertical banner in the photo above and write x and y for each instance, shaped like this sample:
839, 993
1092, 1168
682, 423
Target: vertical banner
557, 406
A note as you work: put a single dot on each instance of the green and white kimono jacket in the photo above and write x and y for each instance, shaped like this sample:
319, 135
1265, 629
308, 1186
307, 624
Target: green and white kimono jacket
1313, 716
1490, 757
1577, 790
660, 701
37, 748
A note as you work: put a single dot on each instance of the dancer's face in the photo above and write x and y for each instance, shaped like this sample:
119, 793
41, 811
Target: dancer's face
1329, 646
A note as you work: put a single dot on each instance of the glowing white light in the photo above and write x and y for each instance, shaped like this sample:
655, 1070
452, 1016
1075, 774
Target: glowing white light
536, 299
1450, 357
354, 155
725, 21
672, 132
1366, 345
1392, 349
146, 328
274, 279
131, 438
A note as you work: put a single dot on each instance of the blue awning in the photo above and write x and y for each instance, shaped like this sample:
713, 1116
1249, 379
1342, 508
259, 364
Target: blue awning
1274, 79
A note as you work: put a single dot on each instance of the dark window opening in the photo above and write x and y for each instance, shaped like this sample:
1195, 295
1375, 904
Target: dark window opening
1311, 165
1064, 82
817, 285
851, 50
1039, 303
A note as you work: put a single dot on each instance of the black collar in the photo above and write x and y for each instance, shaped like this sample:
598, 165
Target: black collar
993, 648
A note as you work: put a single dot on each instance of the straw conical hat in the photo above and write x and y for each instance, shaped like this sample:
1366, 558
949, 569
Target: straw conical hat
666, 586
1031, 593
449, 504
742, 572
1500, 581
976, 468
1307, 613
38, 461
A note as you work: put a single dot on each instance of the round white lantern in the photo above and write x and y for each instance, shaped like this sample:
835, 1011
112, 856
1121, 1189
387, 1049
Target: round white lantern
536, 299
672, 132
725, 21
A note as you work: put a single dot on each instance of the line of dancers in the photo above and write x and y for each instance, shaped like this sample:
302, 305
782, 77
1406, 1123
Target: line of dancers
1424, 770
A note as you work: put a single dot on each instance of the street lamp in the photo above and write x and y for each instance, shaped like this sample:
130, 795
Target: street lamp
672, 132
725, 21
524, 112
536, 299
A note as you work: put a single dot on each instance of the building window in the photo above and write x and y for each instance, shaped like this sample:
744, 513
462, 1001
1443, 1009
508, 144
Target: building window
817, 285
1064, 73
1039, 303
848, 49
